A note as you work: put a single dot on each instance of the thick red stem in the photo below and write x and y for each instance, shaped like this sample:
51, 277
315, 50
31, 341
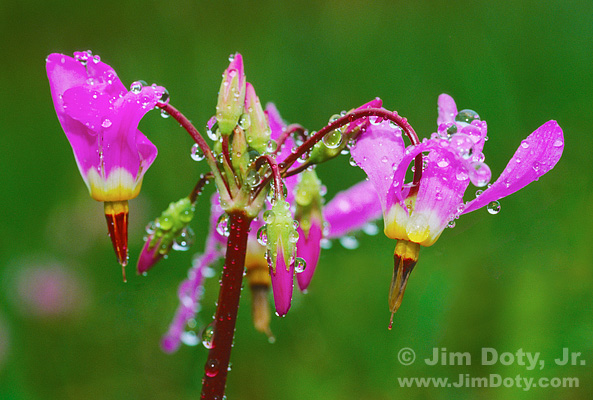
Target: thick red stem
216, 369
275, 173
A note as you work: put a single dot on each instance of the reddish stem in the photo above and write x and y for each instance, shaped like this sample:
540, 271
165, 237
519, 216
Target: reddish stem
197, 190
216, 368
351, 117
275, 173
189, 127
290, 129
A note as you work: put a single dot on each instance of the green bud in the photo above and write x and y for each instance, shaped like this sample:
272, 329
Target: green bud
170, 224
281, 232
231, 96
258, 131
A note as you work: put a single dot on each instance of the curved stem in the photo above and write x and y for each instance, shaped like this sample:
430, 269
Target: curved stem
290, 129
216, 369
351, 117
193, 132
275, 172
197, 190
297, 170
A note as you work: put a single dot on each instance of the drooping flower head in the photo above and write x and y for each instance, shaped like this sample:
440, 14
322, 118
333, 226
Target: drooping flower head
418, 214
100, 118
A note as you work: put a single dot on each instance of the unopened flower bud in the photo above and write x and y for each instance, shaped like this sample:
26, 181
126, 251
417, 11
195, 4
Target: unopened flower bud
172, 225
281, 244
258, 131
308, 213
231, 96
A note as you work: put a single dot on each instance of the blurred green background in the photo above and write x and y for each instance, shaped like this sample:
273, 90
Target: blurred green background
519, 280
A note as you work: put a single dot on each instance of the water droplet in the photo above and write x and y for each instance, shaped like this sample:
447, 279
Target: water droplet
222, 225
196, 153
293, 237
493, 207
370, 229
349, 242
213, 132
272, 146
479, 192
208, 336
212, 368
326, 244
269, 216
150, 227
253, 178
443, 163
245, 121
165, 114
353, 162
480, 174
164, 223
536, 166
189, 338
467, 116
299, 265
524, 144
185, 239
106, 123
451, 224
461, 175
136, 87
262, 235
333, 139
558, 143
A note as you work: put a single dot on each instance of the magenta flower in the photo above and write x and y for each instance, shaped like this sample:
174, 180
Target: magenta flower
100, 118
417, 215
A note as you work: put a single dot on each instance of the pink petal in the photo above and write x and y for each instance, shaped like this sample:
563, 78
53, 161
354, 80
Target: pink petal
352, 209
275, 121
447, 109
536, 155
282, 283
308, 248
378, 149
149, 256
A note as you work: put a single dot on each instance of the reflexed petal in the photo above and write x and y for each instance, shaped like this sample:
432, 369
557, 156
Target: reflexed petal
282, 283
377, 151
536, 155
308, 248
447, 109
352, 209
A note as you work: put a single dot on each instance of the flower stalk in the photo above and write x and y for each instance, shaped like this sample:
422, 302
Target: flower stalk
217, 363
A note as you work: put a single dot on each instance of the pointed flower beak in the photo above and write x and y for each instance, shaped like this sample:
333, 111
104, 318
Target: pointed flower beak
405, 258
231, 96
116, 214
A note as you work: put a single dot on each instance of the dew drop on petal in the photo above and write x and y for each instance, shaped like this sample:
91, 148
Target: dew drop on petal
299, 265
136, 87
493, 207
558, 143
467, 116
106, 123
451, 224
353, 162
196, 153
